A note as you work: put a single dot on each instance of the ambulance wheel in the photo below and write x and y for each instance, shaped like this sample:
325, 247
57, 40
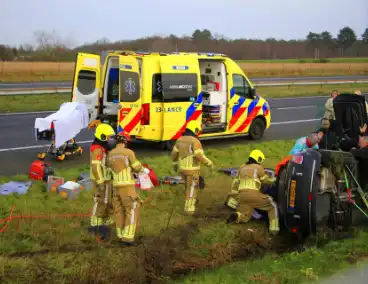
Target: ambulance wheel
60, 157
169, 145
257, 129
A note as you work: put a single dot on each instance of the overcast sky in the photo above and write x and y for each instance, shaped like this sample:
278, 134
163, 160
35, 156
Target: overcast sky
89, 20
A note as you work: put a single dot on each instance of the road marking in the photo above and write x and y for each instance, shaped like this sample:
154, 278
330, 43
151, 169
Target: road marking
296, 107
38, 146
295, 121
90, 141
25, 113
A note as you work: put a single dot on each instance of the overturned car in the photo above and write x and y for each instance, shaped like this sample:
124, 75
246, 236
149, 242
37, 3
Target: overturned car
320, 188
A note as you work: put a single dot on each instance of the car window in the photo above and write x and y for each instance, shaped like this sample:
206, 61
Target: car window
179, 87
129, 86
241, 86
157, 88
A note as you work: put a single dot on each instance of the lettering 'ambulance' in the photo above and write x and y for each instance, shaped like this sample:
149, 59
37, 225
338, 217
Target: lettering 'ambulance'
153, 96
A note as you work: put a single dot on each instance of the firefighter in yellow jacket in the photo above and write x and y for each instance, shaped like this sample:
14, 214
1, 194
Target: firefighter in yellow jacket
100, 177
248, 184
126, 202
187, 155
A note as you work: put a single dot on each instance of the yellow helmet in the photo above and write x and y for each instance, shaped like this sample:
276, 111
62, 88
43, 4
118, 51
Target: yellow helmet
103, 131
257, 155
194, 126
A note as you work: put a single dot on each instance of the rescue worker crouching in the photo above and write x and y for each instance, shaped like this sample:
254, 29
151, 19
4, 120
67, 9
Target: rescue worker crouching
123, 163
100, 177
248, 183
187, 155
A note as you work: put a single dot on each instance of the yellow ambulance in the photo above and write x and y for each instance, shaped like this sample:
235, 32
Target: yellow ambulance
153, 96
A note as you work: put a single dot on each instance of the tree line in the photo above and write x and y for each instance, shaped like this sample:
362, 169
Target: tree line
321, 46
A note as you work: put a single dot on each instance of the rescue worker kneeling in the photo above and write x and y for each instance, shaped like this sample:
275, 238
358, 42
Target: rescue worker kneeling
248, 184
187, 155
126, 202
100, 177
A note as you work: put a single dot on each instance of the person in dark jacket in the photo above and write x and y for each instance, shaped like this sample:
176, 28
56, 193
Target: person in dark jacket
329, 139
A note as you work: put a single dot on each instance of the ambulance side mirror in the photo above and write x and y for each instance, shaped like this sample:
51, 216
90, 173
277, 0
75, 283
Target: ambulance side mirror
252, 93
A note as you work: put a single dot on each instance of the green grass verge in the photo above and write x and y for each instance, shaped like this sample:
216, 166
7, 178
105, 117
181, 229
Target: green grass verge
26, 103
311, 60
310, 265
59, 250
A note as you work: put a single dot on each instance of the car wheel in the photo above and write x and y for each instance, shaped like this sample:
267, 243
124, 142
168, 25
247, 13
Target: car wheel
257, 129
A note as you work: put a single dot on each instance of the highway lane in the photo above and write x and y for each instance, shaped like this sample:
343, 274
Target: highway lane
18, 85
291, 118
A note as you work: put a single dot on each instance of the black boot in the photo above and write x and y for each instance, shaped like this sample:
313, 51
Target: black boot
102, 232
233, 217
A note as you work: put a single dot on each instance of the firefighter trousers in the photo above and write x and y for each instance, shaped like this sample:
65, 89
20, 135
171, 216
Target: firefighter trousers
191, 182
250, 199
127, 205
102, 205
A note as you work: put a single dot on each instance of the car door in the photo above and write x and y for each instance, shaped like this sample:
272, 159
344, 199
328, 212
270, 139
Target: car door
241, 108
182, 98
86, 82
130, 106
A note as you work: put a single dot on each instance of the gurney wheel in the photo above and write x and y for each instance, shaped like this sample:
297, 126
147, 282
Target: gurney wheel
60, 157
41, 156
80, 150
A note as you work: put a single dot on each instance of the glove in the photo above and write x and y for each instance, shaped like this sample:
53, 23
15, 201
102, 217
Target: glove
211, 166
146, 171
175, 167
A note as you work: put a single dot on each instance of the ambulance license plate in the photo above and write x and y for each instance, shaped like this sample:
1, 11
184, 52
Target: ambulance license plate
292, 194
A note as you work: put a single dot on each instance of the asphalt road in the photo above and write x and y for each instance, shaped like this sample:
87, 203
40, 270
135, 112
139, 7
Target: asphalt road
291, 118
7, 86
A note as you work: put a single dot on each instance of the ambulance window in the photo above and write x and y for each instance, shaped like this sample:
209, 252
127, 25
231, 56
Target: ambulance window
86, 82
156, 88
241, 86
179, 87
129, 86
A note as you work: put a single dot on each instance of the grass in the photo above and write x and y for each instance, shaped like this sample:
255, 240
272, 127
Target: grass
63, 71
311, 60
41, 250
59, 250
24, 103
310, 265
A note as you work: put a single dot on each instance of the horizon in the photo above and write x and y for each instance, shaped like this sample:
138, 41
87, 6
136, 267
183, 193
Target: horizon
257, 23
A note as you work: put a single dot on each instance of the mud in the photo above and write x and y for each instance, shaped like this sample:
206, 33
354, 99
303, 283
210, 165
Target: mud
172, 255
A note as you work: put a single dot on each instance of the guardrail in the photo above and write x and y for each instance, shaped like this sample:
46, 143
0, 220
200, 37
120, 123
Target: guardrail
37, 91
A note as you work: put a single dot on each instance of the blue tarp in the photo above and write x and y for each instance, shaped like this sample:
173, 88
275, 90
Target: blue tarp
20, 187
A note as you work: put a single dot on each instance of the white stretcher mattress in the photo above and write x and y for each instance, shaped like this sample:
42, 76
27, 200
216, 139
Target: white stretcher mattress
68, 121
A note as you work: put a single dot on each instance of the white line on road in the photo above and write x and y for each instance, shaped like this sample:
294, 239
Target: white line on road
295, 107
295, 121
26, 113
38, 146
90, 141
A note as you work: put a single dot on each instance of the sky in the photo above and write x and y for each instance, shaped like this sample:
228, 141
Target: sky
81, 21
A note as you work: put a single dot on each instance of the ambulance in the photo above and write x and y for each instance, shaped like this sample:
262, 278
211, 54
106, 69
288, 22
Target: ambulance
153, 96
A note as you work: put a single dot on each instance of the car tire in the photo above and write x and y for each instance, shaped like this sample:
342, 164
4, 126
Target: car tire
257, 129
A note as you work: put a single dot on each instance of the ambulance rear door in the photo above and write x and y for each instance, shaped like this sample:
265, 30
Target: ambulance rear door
130, 106
86, 82
182, 98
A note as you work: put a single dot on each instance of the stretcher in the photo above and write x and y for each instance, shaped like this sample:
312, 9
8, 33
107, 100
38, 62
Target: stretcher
61, 128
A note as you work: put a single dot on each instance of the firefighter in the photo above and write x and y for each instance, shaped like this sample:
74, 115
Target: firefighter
248, 184
187, 155
101, 212
122, 163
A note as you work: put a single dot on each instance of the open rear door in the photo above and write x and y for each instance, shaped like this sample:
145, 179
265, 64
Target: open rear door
182, 98
86, 82
130, 106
